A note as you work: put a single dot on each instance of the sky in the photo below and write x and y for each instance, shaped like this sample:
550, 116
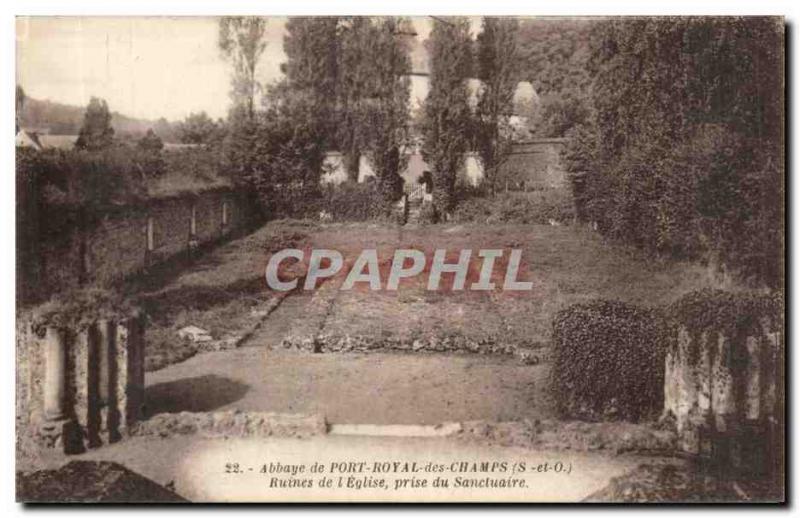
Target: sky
143, 67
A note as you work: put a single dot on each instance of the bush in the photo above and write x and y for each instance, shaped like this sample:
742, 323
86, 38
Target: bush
538, 207
609, 361
355, 202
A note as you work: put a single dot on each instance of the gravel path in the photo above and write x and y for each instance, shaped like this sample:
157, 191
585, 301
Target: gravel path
377, 387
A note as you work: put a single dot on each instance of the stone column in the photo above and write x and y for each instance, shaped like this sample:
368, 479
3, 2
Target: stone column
55, 375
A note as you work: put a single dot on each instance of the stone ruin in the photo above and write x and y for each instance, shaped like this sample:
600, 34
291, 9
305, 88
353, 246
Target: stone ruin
79, 388
725, 394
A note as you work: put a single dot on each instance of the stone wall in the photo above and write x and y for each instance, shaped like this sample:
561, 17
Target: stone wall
536, 164
79, 387
725, 393
105, 247
533, 164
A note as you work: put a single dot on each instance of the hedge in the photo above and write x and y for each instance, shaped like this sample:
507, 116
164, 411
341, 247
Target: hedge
609, 361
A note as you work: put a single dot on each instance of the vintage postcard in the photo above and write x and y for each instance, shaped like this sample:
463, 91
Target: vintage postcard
400, 259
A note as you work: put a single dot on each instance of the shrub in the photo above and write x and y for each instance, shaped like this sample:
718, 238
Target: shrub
538, 207
355, 202
428, 214
609, 361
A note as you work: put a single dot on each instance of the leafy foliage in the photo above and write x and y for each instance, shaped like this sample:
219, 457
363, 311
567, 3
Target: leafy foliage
733, 315
497, 64
682, 155
199, 128
538, 207
609, 361
75, 179
554, 54
96, 132
387, 111
355, 202
150, 142
278, 156
78, 308
241, 39
446, 117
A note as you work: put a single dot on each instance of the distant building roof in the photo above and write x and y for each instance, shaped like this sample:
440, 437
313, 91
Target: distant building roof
176, 146
26, 138
58, 141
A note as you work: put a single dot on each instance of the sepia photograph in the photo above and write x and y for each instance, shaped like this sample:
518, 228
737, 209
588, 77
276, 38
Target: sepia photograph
400, 259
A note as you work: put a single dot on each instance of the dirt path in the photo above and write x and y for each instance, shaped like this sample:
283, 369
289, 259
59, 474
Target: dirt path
381, 388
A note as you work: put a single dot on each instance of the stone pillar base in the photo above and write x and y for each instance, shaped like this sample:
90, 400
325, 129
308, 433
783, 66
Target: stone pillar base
62, 434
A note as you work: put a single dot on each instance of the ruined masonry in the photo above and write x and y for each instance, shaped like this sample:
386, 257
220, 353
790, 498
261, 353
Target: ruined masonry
724, 392
80, 388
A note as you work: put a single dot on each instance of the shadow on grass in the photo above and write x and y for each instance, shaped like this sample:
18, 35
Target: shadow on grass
201, 297
196, 394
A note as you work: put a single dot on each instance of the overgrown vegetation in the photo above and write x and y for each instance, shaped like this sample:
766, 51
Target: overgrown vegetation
496, 59
549, 206
683, 155
609, 356
553, 56
118, 175
78, 308
447, 119
733, 315
609, 361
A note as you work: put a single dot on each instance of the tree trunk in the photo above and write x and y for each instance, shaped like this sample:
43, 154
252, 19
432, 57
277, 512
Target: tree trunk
351, 163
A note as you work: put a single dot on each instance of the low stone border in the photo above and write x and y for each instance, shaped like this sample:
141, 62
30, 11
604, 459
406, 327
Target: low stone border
395, 430
232, 423
614, 437
444, 343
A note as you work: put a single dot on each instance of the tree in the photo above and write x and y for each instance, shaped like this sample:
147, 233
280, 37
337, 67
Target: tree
96, 132
311, 47
446, 116
357, 37
388, 106
681, 153
497, 63
279, 154
20, 104
150, 142
553, 57
198, 128
241, 40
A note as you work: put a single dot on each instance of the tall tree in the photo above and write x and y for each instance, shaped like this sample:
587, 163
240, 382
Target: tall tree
446, 116
497, 64
357, 37
20, 104
311, 48
241, 40
685, 139
388, 105
96, 132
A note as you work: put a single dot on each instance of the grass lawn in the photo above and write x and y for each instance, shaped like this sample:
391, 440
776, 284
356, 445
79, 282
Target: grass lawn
566, 264
223, 291
220, 292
